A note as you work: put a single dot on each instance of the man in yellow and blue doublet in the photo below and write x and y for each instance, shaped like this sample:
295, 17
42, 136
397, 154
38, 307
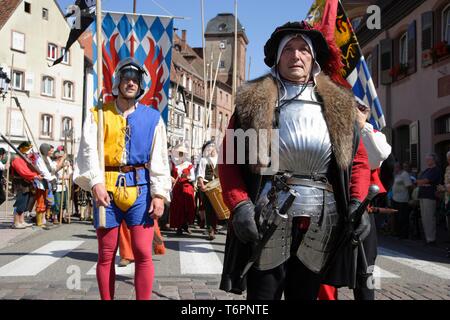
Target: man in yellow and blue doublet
136, 182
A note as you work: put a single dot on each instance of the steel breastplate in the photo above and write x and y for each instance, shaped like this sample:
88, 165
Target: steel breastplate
305, 146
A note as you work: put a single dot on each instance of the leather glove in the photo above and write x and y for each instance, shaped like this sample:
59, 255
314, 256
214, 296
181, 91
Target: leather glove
244, 223
363, 229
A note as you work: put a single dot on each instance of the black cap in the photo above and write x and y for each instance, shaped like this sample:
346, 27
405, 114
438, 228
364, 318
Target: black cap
318, 41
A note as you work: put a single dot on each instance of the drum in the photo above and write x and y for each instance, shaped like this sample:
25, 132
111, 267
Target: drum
214, 194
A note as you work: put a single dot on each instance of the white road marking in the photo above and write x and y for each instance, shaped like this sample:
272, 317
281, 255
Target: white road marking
198, 258
418, 264
123, 271
36, 261
381, 273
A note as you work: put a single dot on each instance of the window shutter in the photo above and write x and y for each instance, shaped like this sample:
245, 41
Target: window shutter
375, 66
386, 60
427, 38
412, 48
395, 55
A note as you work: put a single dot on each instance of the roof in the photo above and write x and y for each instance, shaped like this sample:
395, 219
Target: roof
7, 9
223, 23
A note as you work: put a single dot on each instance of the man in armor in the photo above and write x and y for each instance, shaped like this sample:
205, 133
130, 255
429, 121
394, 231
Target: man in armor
136, 181
322, 165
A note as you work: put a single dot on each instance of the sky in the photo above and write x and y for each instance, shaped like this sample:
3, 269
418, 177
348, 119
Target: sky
258, 17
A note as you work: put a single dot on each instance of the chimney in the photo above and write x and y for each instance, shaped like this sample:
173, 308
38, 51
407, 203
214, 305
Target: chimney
183, 40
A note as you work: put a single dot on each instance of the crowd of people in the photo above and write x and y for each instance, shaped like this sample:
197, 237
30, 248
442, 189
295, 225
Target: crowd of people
41, 183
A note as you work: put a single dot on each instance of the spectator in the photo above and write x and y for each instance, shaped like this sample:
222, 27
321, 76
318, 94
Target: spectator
427, 182
400, 199
447, 194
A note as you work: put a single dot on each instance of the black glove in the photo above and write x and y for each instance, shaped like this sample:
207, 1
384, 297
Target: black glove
244, 223
363, 229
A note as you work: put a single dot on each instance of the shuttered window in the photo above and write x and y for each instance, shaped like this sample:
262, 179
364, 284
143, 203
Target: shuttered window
412, 48
427, 38
386, 61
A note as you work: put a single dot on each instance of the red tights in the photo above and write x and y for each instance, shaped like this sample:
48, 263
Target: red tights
141, 244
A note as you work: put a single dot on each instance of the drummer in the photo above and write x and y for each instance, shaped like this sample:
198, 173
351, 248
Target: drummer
207, 171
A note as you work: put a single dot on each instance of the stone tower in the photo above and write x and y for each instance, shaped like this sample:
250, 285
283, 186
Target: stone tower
219, 36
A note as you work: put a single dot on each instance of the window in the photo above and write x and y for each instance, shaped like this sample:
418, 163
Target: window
219, 121
52, 51
27, 7
442, 124
226, 97
44, 13
66, 127
68, 90
356, 22
199, 113
222, 64
446, 24
186, 134
226, 121
46, 125
221, 95
66, 56
16, 127
190, 84
47, 86
17, 80
403, 49
18, 41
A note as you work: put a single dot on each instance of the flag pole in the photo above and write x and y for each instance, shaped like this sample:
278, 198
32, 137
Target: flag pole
100, 138
8, 161
204, 66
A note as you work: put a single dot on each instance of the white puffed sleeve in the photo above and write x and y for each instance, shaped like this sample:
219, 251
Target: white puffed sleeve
160, 179
87, 171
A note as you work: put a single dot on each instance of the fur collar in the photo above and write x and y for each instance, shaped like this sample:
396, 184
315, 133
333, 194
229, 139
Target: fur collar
256, 100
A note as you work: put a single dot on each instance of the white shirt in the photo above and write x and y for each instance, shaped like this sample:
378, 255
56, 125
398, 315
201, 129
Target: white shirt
40, 164
59, 176
87, 171
378, 149
183, 166
202, 167
400, 191
2, 166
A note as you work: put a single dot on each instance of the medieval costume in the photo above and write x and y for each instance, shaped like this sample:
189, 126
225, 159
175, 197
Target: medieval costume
136, 178
182, 206
322, 163
2, 178
208, 171
24, 178
378, 150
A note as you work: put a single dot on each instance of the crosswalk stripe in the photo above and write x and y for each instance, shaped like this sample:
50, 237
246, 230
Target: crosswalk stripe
38, 260
123, 271
381, 273
198, 258
415, 263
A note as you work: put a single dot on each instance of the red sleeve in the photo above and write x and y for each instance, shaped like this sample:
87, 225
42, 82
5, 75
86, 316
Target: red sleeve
360, 179
375, 179
21, 167
234, 190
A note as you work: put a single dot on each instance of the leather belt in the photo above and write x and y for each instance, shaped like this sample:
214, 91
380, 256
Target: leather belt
125, 169
310, 183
